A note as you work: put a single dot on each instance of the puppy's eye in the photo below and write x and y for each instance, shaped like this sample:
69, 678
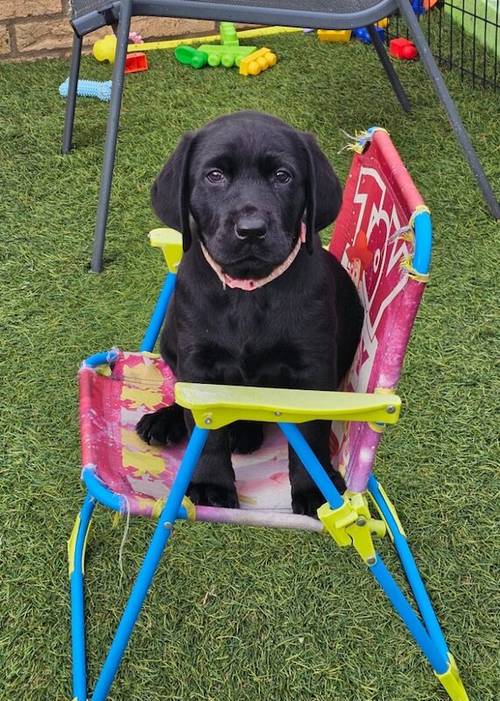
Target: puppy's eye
282, 176
215, 176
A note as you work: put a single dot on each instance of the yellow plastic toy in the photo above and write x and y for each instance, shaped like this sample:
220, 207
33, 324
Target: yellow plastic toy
257, 62
334, 35
105, 49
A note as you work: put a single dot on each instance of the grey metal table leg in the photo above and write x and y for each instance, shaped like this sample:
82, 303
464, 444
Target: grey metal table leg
389, 68
111, 135
449, 105
71, 99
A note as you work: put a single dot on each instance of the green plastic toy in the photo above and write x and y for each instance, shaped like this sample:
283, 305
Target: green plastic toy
189, 56
227, 56
228, 53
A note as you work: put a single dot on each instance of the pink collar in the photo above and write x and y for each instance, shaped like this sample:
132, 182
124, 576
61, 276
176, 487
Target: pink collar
249, 284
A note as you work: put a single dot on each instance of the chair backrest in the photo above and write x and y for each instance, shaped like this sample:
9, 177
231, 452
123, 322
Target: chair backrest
85, 7
383, 238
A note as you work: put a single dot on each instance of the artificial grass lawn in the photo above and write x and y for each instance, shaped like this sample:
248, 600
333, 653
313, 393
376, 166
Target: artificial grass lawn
239, 613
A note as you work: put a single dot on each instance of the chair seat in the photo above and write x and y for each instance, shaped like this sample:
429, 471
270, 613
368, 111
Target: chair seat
81, 7
112, 400
88, 15
84, 7
312, 6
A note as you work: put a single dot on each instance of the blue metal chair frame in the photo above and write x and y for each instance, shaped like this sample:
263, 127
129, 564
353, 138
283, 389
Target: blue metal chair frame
425, 629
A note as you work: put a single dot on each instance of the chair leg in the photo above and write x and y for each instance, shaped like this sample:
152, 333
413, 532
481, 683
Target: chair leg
427, 635
449, 105
409, 565
389, 69
450, 677
76, 557
442, 663
111, 135
71, 99
436, 656
150, 563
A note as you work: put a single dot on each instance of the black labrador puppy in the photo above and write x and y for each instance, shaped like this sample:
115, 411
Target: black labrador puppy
258, 301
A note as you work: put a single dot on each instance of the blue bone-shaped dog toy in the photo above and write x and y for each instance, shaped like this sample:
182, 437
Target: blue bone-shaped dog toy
89, 88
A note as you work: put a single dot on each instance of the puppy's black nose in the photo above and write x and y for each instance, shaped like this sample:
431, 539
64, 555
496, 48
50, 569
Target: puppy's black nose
251, 227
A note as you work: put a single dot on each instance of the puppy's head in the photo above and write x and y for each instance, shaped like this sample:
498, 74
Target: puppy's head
244, 184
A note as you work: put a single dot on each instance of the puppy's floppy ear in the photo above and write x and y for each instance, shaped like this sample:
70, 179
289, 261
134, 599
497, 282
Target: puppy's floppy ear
323, 190
170, 191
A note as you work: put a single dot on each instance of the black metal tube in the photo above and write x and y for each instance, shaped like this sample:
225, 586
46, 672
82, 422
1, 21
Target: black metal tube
450, 107
389, 68
111, 135
71, 99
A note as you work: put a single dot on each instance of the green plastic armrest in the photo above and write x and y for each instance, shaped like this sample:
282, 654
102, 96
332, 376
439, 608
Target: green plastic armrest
214, 406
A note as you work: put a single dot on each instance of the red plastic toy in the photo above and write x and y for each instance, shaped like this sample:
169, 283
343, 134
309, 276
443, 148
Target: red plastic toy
136, 62
404, 49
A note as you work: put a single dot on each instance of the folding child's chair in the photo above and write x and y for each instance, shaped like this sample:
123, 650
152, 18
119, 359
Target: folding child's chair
383, 237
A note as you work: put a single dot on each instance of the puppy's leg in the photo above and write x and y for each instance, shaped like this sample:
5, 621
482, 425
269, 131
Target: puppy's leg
164, 426
213, 479
246, 436
306, 497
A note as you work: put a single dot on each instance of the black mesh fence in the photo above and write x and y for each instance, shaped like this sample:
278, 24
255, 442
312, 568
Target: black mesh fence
464, 36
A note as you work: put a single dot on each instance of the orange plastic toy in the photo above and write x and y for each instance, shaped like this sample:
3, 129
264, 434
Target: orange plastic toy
134, 63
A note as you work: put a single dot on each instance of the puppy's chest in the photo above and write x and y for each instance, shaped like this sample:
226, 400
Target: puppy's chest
254, 341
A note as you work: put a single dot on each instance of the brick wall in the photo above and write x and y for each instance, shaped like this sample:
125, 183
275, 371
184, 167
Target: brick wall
34, 28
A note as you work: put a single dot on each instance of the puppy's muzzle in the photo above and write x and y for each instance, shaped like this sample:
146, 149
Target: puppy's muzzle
250, 228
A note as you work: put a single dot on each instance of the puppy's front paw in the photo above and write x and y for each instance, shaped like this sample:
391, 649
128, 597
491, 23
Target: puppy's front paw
164, 426
338, 481
307, 501
213, 495
246, 436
